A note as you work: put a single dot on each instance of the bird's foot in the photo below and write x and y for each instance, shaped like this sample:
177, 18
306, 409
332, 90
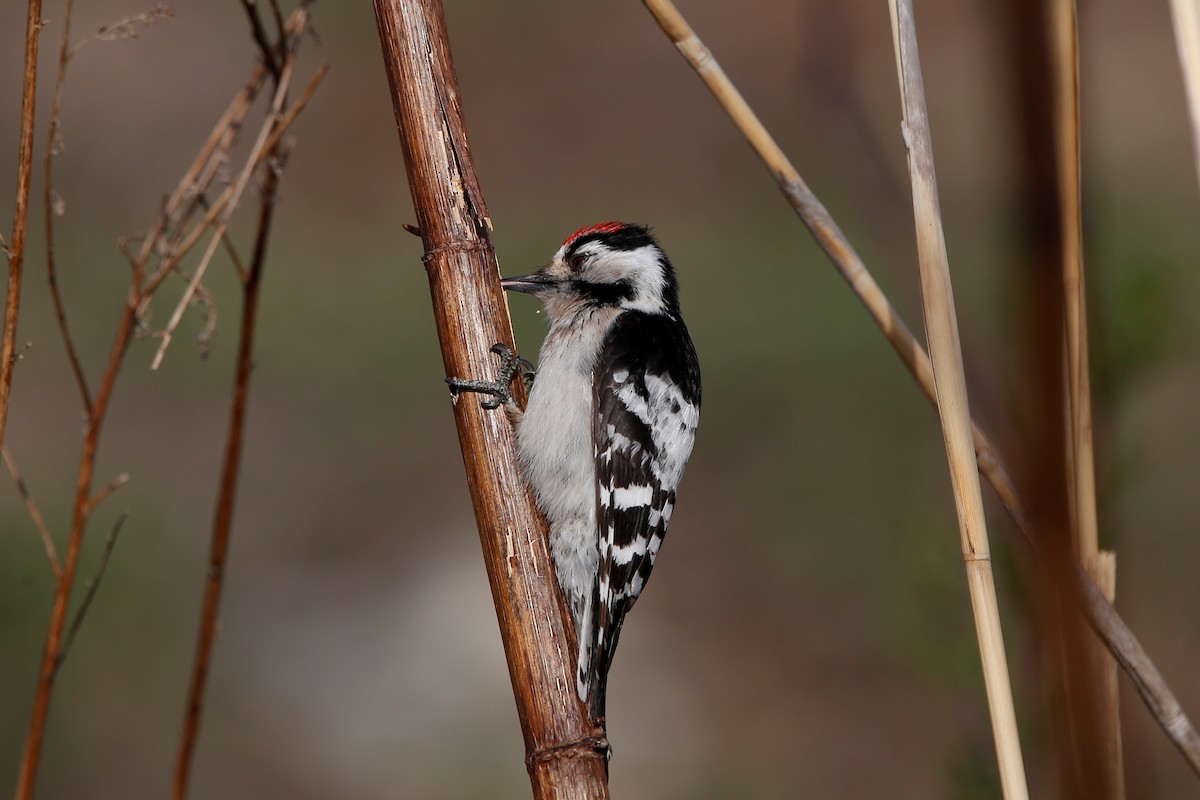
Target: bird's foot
498, 389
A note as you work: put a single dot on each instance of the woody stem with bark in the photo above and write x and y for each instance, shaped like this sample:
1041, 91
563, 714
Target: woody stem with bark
562, 745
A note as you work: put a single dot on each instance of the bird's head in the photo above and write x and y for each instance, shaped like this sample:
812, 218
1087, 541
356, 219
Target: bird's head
612, 264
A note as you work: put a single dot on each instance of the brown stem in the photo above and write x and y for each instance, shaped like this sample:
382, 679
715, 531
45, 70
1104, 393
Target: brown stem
471, 315
62, 592
270, 155
16, 247
60, 313
52, 654
230, 471
260, 38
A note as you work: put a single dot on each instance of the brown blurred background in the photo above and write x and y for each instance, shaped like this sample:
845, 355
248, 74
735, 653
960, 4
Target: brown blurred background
808, 632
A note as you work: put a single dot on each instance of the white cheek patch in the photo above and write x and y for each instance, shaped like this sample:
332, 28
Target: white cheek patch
643, 268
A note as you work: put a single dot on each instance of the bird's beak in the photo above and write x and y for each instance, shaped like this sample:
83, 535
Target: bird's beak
529, 284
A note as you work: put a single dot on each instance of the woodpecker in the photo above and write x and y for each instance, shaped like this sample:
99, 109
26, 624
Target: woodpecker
609, 426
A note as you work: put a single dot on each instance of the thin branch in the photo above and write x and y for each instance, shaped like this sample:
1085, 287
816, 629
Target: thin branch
272, 157
53, 147
95, 419
99, 497
91, 587
1104, 619
176, 254
227, 203
230, 471
124, 28
265, 48
470, 313
193, 185
277, 15
230, 248
36, 515
234, 196
16, 248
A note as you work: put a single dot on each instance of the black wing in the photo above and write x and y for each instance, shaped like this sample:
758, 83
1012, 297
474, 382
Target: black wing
646, 395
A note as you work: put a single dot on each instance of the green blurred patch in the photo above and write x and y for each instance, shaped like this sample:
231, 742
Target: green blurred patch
933, 630
972, 772
1136, 315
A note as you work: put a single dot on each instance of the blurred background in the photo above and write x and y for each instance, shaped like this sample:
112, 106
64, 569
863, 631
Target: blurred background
808, 632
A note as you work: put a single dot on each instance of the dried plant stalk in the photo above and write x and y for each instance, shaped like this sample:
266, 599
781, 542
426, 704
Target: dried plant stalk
825, 230
15, 249
1185, 14
942, 329
562, 746
1101, 688
272, 155
171, 226
1120, 640
1081, 456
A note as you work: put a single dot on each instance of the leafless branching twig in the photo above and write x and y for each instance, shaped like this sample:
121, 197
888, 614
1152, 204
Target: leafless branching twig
174, 230
125, 28
91, 586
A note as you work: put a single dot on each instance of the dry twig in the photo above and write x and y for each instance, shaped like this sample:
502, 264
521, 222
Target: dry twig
1104, 619
272, 156
471, 315
50, 211
168, 239
35, 514
265, 48
90, 586
15, 248
235, 194
95, 414
124, 28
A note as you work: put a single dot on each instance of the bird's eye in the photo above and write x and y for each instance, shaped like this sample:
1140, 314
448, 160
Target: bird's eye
577, 262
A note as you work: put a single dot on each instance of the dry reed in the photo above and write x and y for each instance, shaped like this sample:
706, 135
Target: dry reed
1105, 740
1120, 640
941, 327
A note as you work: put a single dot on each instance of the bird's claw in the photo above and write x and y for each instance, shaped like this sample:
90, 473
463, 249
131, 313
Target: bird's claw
510, 365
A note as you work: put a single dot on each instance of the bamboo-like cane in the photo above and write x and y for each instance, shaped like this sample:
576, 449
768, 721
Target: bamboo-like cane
563, 750
1186, 17
1081, 463
945, 352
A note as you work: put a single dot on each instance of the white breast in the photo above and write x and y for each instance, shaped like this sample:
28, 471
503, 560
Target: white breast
555, 437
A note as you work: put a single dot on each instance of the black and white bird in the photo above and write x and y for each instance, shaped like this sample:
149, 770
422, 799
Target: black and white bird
609, 426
